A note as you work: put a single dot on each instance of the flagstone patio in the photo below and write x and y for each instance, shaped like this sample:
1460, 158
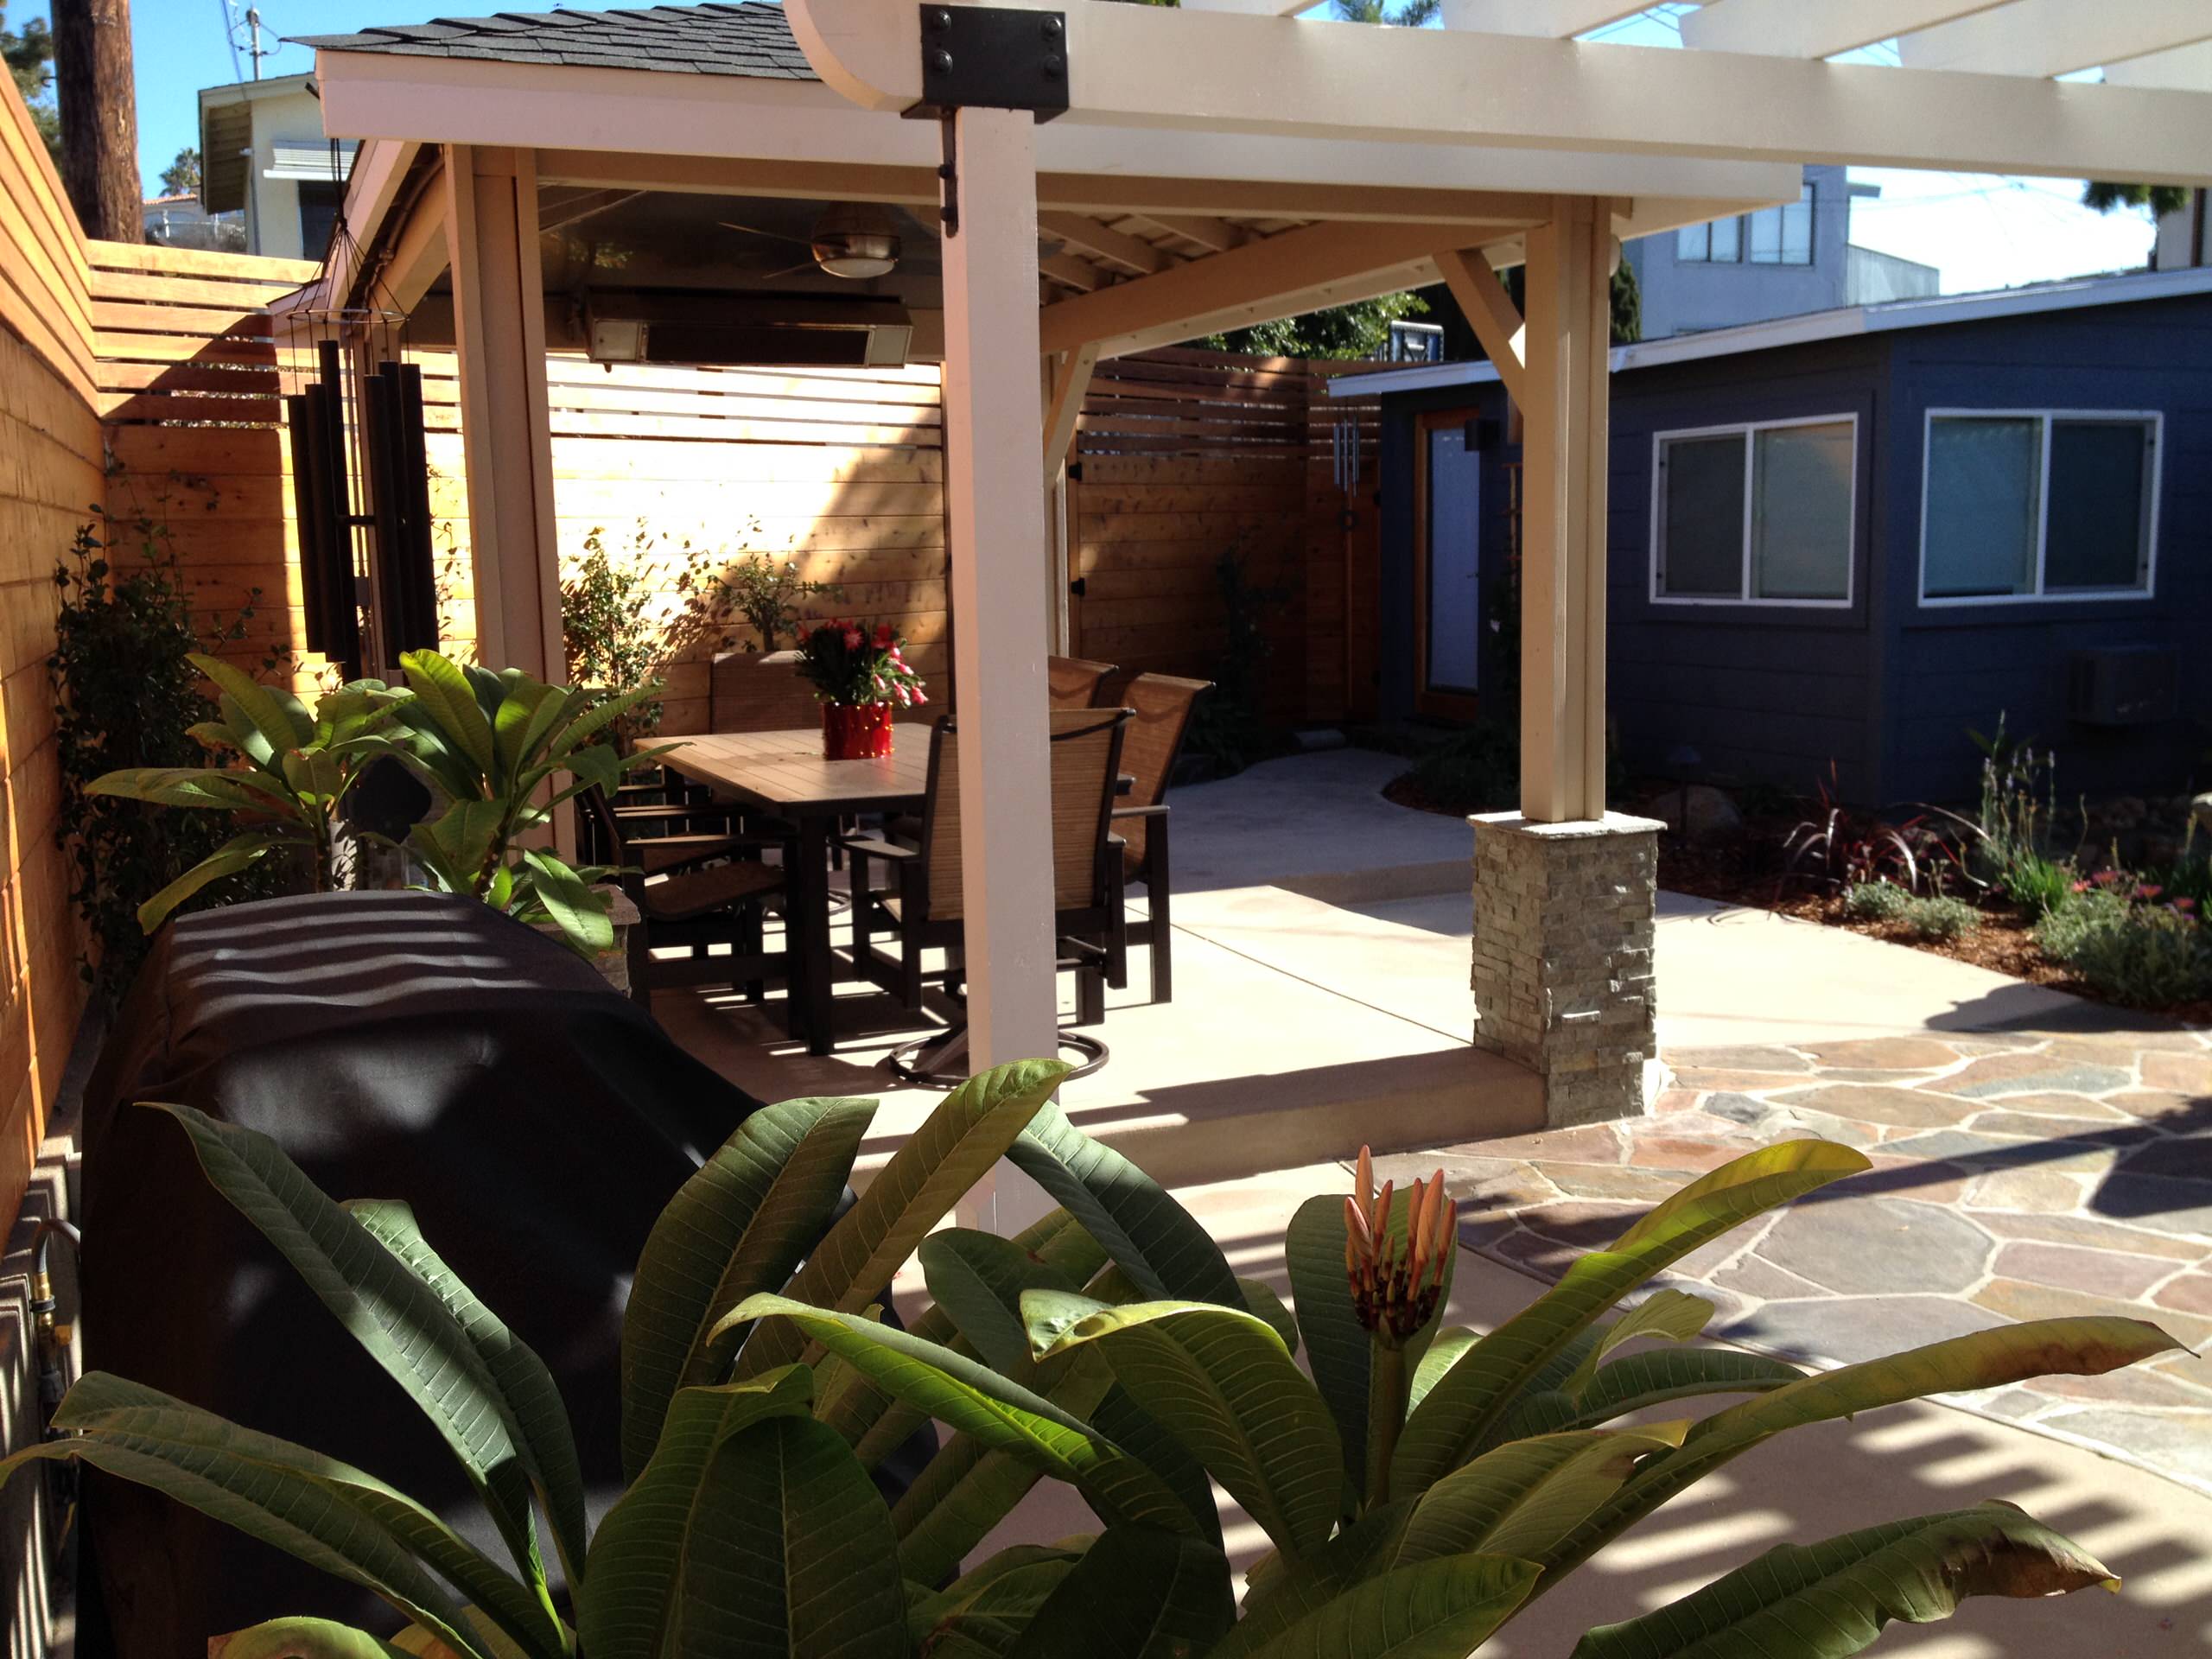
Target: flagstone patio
2017, 1175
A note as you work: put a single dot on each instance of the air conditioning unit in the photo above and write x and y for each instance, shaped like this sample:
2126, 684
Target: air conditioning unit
2122, 685
772, 330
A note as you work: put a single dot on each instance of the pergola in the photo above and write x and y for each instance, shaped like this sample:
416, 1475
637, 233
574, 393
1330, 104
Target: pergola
1214, 165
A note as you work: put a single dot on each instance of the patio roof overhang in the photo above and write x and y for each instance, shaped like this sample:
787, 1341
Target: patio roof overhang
1212, 168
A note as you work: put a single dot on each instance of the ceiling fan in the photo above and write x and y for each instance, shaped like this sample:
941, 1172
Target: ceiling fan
851, 240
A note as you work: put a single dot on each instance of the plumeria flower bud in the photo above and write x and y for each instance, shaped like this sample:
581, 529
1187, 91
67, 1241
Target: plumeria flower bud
1397, 1278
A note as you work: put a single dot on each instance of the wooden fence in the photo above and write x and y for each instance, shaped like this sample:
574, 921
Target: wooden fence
1186, 461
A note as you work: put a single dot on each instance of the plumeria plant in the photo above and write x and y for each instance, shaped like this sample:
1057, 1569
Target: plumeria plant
1111, 1347
852, 665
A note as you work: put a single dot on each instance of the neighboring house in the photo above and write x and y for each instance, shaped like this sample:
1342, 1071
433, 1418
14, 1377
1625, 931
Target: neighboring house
181, 222
263, 153
1846, 537
1781, 262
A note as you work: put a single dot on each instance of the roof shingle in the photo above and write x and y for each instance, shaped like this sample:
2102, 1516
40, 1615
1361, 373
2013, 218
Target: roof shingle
747, 38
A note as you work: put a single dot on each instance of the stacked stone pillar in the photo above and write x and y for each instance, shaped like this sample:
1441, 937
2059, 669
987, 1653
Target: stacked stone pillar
1564, 921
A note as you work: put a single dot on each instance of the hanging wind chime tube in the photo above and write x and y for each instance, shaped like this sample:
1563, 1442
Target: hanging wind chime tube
367, 577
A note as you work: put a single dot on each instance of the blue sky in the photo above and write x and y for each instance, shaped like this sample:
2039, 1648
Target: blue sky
1983, 232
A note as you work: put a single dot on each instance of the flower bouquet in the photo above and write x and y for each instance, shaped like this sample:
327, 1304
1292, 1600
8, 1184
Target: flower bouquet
860, 678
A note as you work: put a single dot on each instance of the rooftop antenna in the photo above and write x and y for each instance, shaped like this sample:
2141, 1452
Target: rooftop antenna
251, 23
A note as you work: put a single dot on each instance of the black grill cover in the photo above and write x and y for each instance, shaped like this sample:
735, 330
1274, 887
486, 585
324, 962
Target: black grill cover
395, 1044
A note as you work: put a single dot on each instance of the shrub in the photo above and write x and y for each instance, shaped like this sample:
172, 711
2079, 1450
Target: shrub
1876, 901
2135, 952
1940, 919
1474, 770
1419, 1483
126, 694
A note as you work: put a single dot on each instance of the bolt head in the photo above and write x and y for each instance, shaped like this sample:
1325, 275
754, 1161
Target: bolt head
1054, 63
1052, 27
940, 19
941, 60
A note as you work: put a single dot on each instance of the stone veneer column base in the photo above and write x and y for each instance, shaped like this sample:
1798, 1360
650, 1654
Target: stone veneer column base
1564, 916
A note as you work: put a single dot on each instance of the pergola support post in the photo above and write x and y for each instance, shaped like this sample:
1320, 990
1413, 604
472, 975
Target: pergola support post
993, 433
1564, 892
491, 226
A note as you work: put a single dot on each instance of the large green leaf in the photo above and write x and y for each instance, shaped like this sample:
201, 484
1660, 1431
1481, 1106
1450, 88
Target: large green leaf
199, 787
240, 852
1453, 1418
298, 1503
978, 1278
404, 1325
940, 1161
1985, 1359
1221, 1381
101, 1405
444, 692
872, 1421
972, 1399
1136, 1595
1442, 1609
1164, 1249
1338, 1348
1669, 1315
968, 1488
984, 1614
1826, 1600
528, 1395
581, 912
302, 1638
1640, 1381
275, 714
638, 1558
738, 1226
789, 1554
1521, 1500
1442, 1354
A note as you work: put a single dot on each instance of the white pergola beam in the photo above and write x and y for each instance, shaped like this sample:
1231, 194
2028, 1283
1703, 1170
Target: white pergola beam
1146, 67
1556, 20
1298, 270
2057, 37
995, 514
1489, 311
1793, 28
2187, 68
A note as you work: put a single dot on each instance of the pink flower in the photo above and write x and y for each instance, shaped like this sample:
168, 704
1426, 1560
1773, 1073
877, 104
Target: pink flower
803, 631
884, 639
2081, 887
2106, 878
919, 697
852, 638
2148, 891
2184, 906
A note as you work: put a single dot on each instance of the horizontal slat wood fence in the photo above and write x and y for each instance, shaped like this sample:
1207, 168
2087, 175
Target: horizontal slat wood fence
1187, 458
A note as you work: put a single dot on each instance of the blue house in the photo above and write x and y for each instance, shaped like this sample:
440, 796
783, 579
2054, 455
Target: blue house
1844, 538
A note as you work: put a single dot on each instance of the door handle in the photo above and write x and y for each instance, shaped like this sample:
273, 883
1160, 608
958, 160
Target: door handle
1080, 587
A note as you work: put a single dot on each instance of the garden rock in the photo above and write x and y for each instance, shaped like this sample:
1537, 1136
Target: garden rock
1701, 812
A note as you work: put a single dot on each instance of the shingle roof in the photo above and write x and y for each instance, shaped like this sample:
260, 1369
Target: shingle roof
746, 38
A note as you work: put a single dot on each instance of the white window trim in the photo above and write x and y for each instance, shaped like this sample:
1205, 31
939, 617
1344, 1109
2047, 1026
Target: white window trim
1743, 596
2149, 589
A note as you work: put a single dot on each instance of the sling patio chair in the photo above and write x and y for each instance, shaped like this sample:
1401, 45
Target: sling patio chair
918, 904
1160, 706
1073, 682
694, 898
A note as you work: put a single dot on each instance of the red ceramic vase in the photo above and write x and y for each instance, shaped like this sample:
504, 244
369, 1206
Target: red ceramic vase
855, 731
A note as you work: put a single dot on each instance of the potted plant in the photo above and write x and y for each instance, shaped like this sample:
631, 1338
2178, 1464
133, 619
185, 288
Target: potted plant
860, 678
755, 684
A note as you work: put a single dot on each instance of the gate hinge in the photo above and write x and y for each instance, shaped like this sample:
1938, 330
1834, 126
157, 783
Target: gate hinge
993, 58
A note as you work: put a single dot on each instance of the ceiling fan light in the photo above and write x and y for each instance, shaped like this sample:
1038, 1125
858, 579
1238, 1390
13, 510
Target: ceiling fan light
856, 255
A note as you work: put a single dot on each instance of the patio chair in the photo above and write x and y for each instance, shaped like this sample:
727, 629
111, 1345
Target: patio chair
1073, 682
694, 896
1161, 706
919, 905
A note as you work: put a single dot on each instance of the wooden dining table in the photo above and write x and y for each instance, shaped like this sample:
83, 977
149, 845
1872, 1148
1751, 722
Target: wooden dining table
782, 774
